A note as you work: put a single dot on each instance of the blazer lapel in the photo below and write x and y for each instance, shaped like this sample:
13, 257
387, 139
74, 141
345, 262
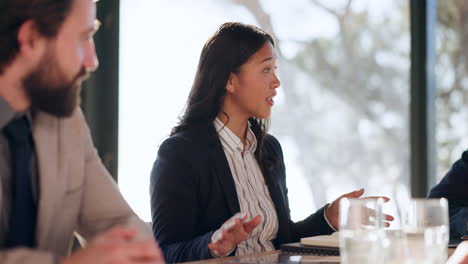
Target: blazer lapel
279, 200
50, 167
223, 173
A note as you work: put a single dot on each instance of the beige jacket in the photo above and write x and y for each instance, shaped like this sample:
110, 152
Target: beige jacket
77, 194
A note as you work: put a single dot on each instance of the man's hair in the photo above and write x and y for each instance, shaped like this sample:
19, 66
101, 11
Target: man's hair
48, 16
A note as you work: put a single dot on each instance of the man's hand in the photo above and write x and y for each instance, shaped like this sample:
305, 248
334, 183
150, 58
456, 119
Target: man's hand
333, 210
460, 256
117, 246
231, 233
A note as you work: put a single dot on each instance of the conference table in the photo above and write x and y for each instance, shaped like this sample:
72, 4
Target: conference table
278, 257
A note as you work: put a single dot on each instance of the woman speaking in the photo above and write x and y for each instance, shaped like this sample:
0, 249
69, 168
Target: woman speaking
218, 185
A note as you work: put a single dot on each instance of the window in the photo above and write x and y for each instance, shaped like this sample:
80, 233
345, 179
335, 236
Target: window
452, 83
342, 110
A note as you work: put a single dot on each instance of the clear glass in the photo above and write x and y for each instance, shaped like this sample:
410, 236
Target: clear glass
341, 114
361, 231
427, 231
395, 247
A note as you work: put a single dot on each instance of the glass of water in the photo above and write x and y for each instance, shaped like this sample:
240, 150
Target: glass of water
361, 231
427, 231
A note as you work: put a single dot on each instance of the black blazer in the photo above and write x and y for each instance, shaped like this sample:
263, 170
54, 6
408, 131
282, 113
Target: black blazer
454, 187
193, 193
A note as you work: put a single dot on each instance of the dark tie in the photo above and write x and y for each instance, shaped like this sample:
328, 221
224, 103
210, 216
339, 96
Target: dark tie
24, 211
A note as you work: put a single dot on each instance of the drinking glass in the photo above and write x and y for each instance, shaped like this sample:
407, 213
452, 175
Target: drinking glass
361, 231
427, 231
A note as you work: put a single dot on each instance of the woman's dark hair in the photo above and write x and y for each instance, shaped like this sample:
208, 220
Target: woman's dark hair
48, 15
224, 53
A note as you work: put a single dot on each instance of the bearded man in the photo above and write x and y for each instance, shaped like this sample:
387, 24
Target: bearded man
52, 182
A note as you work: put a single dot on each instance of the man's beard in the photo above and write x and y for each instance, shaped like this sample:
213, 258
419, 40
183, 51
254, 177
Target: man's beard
50, 91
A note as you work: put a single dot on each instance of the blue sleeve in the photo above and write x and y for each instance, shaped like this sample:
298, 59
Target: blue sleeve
454, 187
174, 205
458, 220
315, 224
454, 184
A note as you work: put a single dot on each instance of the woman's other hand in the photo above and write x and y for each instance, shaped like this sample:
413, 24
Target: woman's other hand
333, 210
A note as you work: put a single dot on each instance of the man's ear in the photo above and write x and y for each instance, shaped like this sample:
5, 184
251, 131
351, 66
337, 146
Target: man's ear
30, 41
230, 86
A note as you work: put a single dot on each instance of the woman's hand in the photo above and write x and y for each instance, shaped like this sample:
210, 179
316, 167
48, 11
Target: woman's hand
231, 233
332, 211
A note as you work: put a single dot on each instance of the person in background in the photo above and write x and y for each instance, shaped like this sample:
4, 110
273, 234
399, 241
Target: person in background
454, 187
52, 182
218, 185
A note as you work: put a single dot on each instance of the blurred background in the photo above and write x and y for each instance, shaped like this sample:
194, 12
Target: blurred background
347, 110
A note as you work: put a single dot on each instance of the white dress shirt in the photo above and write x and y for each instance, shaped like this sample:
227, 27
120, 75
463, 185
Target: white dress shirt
252, 192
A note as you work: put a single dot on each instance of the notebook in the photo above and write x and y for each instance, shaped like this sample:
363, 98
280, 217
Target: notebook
317, 245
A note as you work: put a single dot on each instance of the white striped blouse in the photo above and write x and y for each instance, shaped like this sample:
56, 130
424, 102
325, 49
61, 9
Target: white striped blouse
252, 192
